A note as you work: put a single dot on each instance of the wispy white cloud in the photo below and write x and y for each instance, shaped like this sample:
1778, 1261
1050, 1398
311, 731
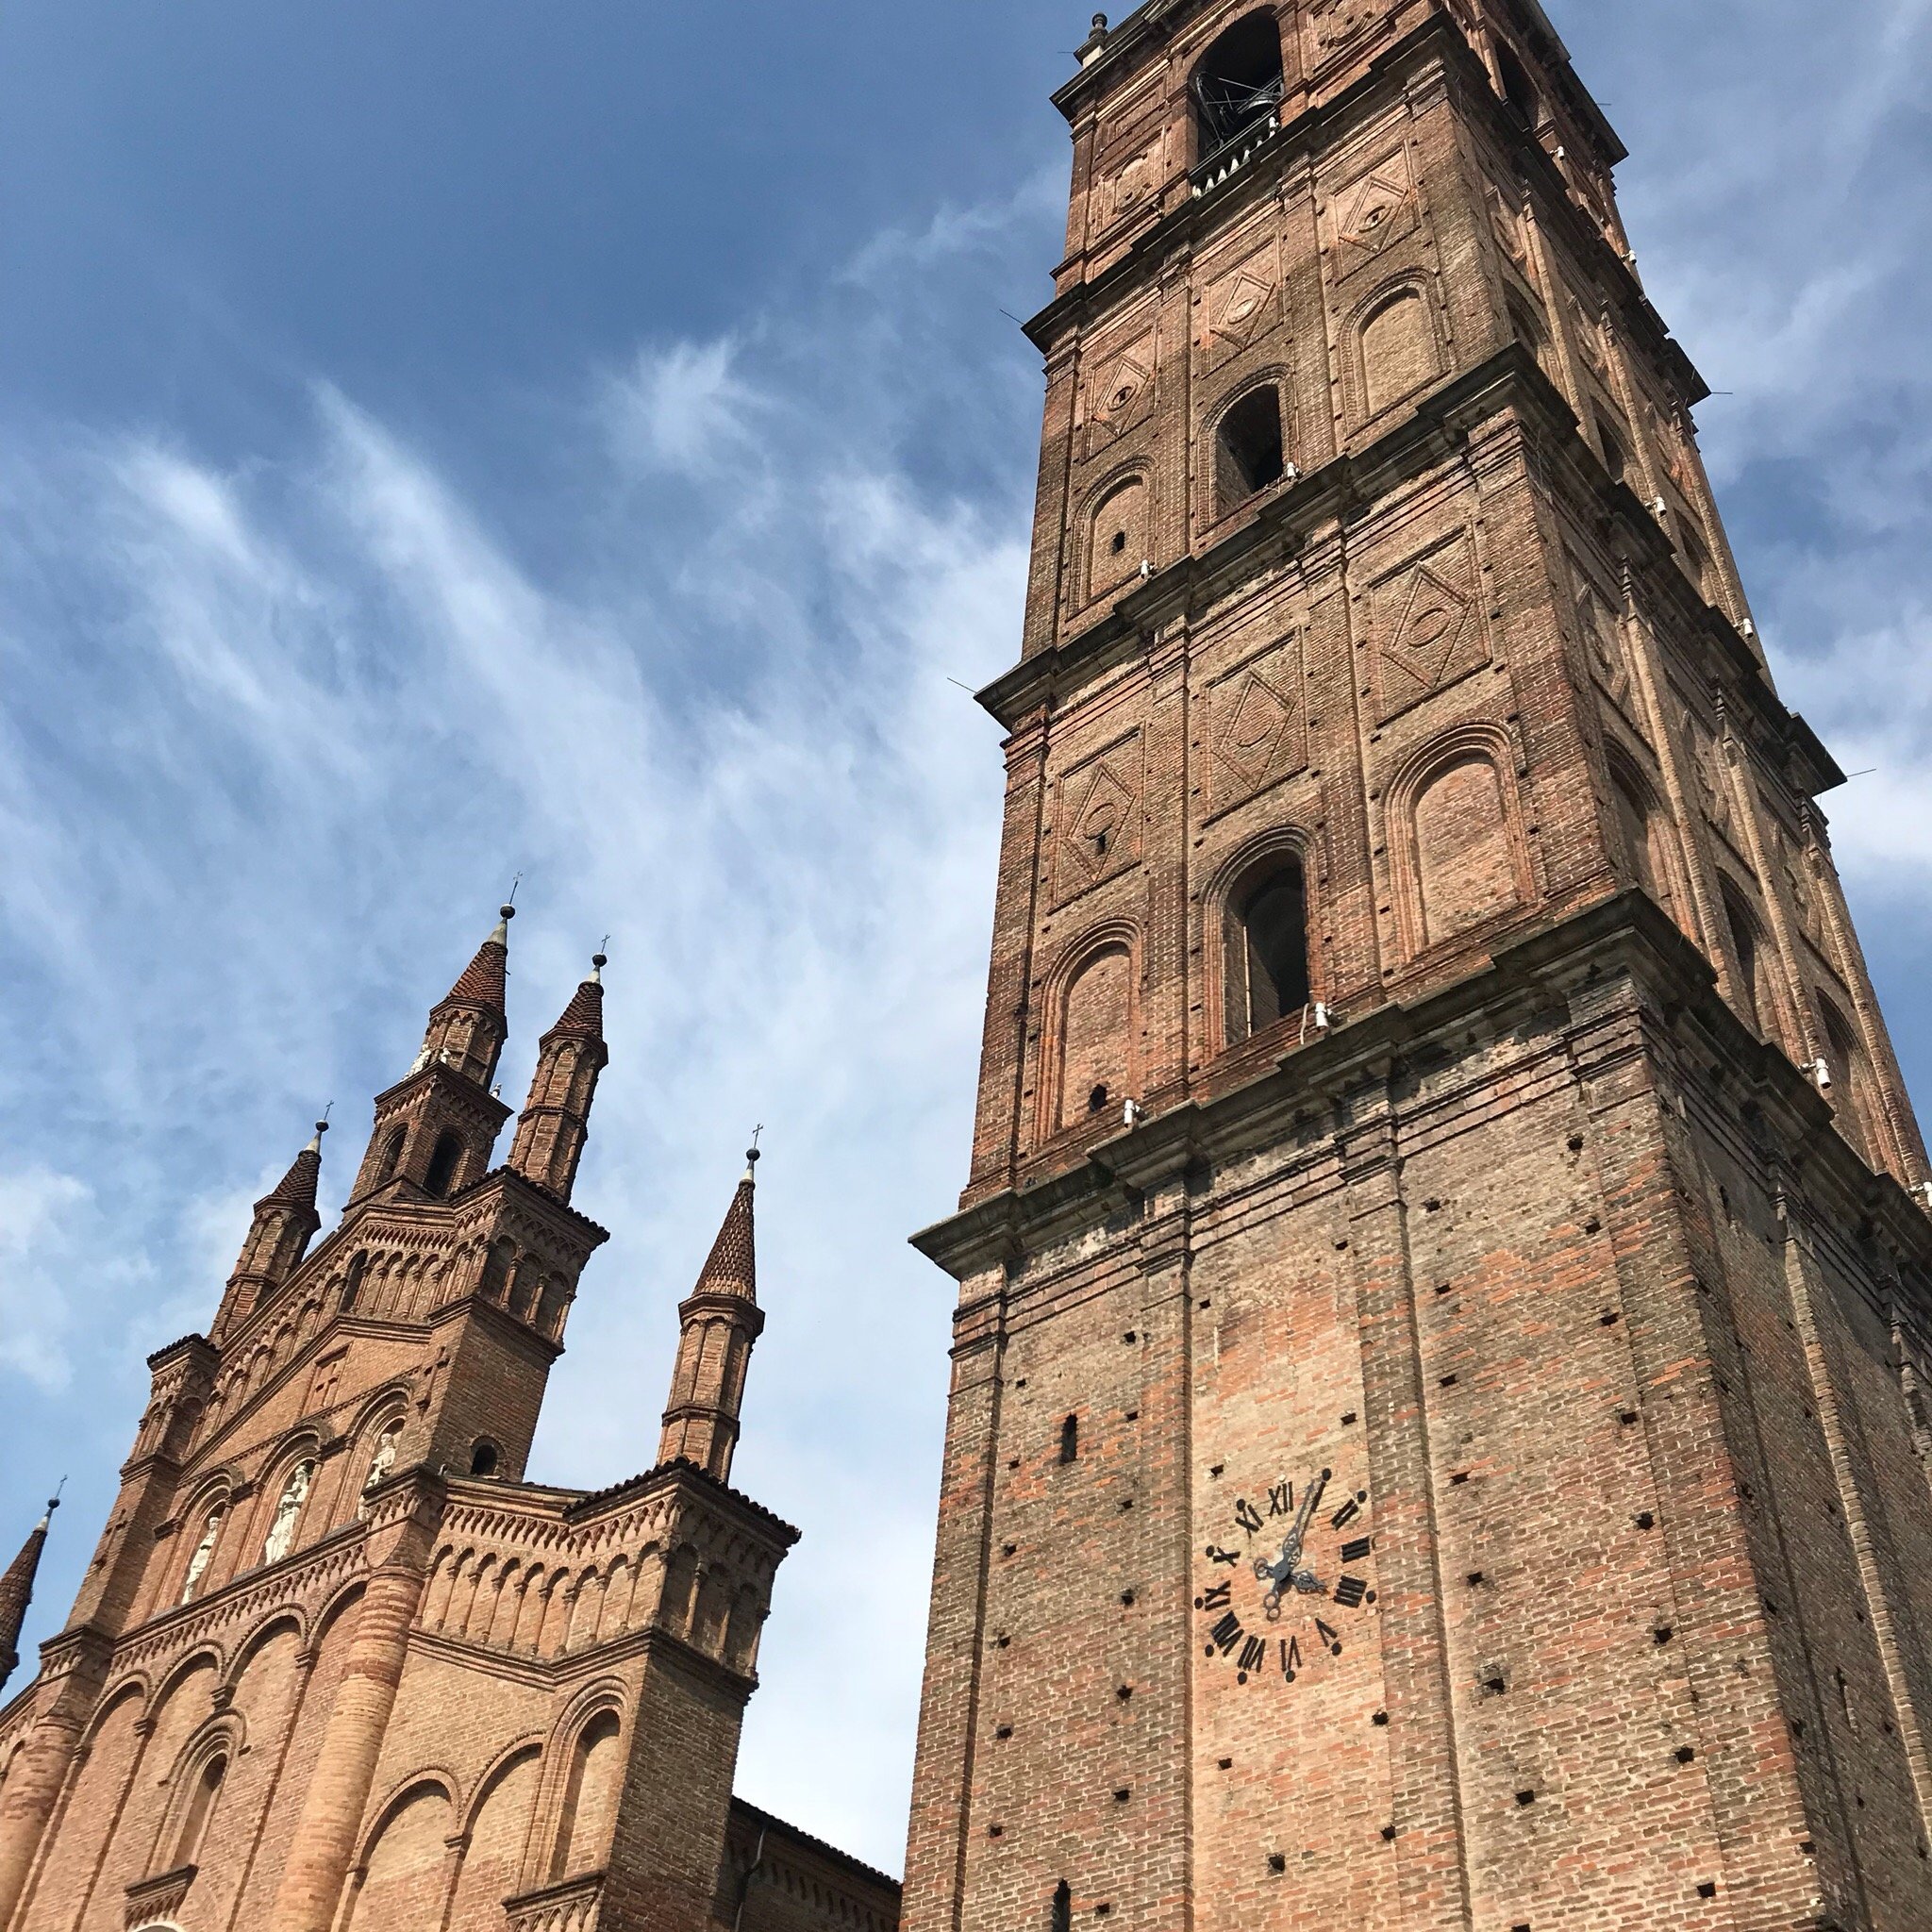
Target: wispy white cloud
331, 705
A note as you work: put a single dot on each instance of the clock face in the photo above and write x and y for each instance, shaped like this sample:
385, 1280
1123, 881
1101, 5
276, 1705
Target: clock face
1280, 1592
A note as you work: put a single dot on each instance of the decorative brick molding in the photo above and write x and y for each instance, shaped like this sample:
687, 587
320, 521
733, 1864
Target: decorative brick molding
572, 1906
152, 1900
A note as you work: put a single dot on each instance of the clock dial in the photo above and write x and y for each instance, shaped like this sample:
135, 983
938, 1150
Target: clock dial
1281, 1588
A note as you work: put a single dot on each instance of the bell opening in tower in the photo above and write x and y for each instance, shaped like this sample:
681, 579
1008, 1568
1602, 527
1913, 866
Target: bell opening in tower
1239, 84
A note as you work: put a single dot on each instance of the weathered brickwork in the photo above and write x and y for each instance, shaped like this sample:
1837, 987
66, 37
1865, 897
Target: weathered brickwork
337, 1667
1438, 1444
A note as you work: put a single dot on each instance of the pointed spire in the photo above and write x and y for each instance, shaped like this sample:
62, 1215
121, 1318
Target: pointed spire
555, 1119
17, 1590
467, 1027
719, 1323
296, 1189
484, 981
733, 1264
284, 1225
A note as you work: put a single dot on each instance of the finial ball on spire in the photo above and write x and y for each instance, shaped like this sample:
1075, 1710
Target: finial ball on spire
508, 911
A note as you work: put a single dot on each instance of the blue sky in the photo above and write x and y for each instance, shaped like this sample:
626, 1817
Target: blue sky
440, 441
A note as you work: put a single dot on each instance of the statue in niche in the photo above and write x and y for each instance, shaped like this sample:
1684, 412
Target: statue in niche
204, 1550
381, 1463
281, 1533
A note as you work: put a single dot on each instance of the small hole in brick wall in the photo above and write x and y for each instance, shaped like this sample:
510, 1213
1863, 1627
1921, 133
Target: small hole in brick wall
995, 1831
1576, 1144
1519, 1928
1609, 1317
1125, 1691
1014, 1463
1348, 1421
1010, 1549
1432, 1206
1628, 1417
1647, 1520
1663, 1633
1096, 1101
1021, 1383
1526, 1797
1133, 1415
1495, 1686
1592, 1225
1101, 1911
1005, 1731
1476, 1577
1120, 542
1217, 1469
1003, 1640
1226, 1763
1450, 1381
1685, 1754
1127, 1503
1443, 1288
1130, 1336
1207, 1304
1456, 1481
1388, 1834
1121, 1796
1381, 1717
1706, 1889
1128, 1598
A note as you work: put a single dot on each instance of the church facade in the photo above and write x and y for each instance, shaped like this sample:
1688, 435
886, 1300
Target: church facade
1437, 1435
335, 1665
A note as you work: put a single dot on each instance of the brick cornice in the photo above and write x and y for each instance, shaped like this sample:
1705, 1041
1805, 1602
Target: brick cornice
1628, 932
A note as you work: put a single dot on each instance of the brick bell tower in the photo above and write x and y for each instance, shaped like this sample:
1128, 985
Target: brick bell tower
337, 1666
1438, 1435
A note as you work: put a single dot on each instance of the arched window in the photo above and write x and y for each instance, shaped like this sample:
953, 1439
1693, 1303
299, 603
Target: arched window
1097, 1024
1070, 1440
1529, 330
391, 1155
1754, 990
1117, 540
1237, 84
1466, 865
1861, 1118
484, 1459
1267, 952
443, 1164
352, 1281
590, 1797
201, 1806
1248, 451
1643, 830
1519, 91
1398, 350
1615, 459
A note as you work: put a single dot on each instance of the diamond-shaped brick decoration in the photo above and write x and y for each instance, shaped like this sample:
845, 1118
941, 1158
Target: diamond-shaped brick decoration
1098, 819
1256, 724
1432, 634
1375, 213
1123, 394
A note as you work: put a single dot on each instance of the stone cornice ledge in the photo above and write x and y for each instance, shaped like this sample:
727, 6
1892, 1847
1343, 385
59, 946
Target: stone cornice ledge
1627, 931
